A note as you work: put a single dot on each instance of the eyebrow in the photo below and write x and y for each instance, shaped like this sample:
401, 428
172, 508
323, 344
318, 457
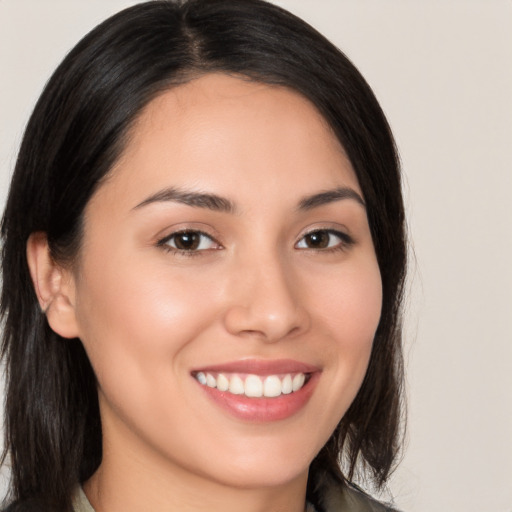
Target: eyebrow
330, 196
222, 204
194, 199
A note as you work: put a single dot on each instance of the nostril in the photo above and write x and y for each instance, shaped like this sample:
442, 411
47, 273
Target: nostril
264, 323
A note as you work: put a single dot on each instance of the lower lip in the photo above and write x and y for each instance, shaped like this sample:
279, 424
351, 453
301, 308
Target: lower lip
263, 409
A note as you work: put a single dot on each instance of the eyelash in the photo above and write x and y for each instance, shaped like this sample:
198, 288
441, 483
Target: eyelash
345, 242
164, 243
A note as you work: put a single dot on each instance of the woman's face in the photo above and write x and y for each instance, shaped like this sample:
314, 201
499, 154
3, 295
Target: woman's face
228, 254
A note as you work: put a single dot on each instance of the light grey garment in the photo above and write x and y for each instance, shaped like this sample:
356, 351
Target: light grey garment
334, 497
81, 503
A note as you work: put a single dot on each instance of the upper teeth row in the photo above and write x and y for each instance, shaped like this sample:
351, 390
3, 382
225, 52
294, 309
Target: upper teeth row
253, 386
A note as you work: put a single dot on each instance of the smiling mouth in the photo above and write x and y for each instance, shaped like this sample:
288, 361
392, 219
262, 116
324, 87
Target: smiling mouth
259, 391
253, 386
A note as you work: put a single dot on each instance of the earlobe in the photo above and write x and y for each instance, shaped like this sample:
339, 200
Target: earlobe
54, 286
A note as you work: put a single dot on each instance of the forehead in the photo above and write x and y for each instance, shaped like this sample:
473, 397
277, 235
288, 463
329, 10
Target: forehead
217, 130
225, 98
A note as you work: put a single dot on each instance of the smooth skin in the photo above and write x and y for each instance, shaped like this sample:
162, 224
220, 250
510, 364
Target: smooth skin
261, 273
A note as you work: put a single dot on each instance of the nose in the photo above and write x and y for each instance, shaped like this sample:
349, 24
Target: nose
266, 302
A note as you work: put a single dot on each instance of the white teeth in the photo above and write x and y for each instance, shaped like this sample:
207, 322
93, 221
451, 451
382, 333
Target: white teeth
272, 386
236, 385
287, 386
298, 381
210, 380
222, 382
254, 386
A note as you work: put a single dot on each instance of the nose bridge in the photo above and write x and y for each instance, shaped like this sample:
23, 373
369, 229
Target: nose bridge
265, 302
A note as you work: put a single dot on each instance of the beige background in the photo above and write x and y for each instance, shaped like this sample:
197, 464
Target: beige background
442, 71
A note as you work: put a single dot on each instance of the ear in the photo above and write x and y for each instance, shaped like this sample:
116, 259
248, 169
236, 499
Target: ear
54, 286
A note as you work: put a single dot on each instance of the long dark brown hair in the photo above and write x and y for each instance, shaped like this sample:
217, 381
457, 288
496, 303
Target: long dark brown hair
77, 132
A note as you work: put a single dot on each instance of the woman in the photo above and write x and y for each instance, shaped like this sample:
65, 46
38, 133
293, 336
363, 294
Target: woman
202, 271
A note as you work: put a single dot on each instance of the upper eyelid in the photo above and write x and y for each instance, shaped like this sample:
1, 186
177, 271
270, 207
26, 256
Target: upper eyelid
337, 231
342, 231
164, 243
164, 240
171, 231
346, 240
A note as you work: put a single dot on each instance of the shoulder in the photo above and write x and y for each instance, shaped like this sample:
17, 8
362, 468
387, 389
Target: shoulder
361, 501
333, 495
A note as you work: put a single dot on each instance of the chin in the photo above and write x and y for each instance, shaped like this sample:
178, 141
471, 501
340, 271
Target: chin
272, 474
268, 465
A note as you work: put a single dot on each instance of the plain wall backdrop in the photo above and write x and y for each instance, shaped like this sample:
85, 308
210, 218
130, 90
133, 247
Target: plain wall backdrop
442, 71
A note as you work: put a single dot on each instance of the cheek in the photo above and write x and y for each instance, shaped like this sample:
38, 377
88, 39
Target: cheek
359, 318
348, 314
139, 319
349, 304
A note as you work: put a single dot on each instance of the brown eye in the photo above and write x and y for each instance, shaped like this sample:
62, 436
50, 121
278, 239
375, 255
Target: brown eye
189, 241
324, 239
317, 240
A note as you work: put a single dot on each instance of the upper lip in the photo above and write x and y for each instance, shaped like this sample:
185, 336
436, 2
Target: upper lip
260, 367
